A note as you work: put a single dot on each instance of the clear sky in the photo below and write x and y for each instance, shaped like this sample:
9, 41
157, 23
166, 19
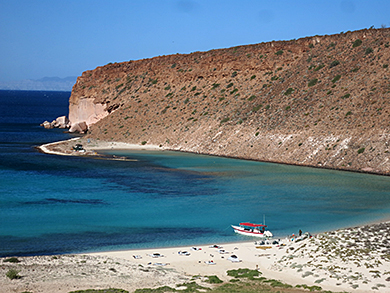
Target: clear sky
66, 37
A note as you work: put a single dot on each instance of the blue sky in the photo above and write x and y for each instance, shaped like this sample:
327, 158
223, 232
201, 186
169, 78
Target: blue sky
65, 37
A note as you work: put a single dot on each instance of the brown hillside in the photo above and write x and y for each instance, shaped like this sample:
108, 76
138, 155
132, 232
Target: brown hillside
318, 101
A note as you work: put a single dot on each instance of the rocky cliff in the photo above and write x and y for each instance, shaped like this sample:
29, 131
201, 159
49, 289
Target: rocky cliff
319, 101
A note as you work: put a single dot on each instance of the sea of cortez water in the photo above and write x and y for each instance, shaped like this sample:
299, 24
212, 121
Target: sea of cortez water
59, 204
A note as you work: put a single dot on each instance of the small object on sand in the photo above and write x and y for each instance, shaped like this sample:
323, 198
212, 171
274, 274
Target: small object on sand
234, 258
160, 264
215, 246
209, 262
155, 255
222, 251
264, 247
137, 256
196, 248
186, 253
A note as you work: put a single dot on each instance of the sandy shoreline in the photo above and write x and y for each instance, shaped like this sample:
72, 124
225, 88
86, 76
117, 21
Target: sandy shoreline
349, 260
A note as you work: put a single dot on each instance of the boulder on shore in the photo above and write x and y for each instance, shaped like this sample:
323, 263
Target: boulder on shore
80, 127
60, 122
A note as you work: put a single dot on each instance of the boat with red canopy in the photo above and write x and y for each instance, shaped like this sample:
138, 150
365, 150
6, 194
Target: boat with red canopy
250, 229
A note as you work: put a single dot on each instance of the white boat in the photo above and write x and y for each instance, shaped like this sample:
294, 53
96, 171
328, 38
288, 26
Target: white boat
255, 230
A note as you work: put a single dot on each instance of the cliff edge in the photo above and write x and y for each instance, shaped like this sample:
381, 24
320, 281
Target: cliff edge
317, 101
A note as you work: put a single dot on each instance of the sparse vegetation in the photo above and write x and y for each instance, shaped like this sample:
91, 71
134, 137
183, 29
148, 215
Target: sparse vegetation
313, 82
280, 52
214, 280
369, 51
336, 78
356, 43
334, 63
288, 91
13, 274
225, 120
12, 260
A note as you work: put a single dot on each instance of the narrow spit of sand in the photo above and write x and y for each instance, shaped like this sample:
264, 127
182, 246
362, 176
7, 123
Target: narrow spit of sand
90, 147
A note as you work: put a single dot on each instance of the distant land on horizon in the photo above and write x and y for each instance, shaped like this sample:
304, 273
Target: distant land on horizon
42, 84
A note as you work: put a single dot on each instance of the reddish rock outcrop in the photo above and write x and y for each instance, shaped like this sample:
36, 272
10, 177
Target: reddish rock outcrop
318, 101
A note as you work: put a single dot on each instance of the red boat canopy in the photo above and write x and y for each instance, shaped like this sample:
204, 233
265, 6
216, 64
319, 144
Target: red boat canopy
252, 225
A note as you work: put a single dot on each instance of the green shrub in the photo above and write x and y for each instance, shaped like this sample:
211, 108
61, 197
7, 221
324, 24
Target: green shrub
334, 63
287, 108
385, 65
257, 133
214, 280
12, 259
257, 108
288, 91
13, 274
346, 96
225, 120
348, 113
251, 98
253, 77
276, 283
167, 88
215, 85
361, 150
313, 82
319, 67
355, 69
369, 51
193, 89
280, 52
356, 43
234, 74
243, 273
229, 85
336, 78
234, 91
143, 143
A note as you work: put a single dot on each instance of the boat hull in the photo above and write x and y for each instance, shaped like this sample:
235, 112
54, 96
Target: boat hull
252, 233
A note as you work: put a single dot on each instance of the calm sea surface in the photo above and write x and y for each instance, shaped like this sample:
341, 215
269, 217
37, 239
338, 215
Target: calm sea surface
53, 204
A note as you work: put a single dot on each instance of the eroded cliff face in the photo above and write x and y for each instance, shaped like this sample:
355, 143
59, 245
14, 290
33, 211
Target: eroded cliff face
319, 101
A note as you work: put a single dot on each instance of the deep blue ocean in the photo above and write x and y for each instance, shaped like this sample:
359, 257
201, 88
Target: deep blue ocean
57, 204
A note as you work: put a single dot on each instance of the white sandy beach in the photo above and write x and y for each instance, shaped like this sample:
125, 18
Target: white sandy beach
348, 260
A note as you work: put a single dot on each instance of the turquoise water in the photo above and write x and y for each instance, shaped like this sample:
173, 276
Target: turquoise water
52, 204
